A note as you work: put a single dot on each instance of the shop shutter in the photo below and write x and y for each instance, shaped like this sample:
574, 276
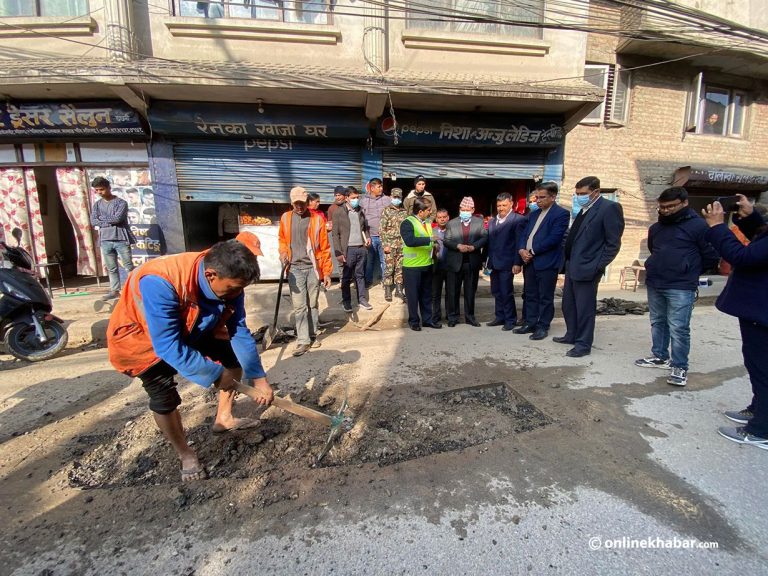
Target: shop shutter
469, 164
263, 170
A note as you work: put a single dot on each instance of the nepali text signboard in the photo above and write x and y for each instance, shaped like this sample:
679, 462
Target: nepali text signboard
69, 120
245, 121
429, 129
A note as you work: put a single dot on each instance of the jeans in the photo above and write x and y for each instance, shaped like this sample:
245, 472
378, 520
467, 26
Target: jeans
305, 290
754, 346
110, 250
375, 254
354, 270
670, 312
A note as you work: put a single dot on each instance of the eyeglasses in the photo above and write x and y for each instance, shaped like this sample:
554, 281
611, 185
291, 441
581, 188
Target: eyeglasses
669, 207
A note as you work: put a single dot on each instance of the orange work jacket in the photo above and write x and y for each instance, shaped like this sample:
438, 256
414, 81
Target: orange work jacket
318, 246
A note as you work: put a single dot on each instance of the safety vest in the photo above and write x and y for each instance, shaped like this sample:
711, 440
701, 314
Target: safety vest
128, 342
416, 256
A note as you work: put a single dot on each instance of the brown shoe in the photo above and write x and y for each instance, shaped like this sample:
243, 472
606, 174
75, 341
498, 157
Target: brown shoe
301, 349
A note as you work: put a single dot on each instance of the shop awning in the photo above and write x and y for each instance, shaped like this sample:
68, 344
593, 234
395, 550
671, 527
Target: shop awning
721, 177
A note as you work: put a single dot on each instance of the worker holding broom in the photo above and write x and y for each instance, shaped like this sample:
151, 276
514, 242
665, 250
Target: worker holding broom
184, 314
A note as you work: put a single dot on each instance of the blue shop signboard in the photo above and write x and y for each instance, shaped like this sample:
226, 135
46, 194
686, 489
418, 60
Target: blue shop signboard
245, 121
69, 120
430, 129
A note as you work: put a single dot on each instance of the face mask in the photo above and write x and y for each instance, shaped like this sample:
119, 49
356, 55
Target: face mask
354, 202
465, 216
533, 206
575, 209
396, 201
581, 200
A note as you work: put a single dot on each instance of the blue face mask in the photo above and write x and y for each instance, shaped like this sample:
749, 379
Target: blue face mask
396, 201
581, 200
465, 216
354, 202
533, 206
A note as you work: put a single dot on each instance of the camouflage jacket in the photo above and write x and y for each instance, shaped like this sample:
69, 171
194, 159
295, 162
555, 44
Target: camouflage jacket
389, 230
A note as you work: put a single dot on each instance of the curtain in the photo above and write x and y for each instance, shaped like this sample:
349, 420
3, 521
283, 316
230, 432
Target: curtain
73, 190
21, 209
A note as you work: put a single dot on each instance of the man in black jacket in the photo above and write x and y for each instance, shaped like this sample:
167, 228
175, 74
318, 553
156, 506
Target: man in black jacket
679, 254
350, 244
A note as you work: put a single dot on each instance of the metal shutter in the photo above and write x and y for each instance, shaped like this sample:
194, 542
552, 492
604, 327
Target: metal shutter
263, 171
514, 163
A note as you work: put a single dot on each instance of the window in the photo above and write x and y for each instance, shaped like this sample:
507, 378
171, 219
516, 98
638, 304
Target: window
615, 81
437, 14
53, 8
715, 110
301, 11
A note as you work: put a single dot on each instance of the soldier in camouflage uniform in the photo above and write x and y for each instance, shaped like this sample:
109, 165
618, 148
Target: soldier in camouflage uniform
391, 218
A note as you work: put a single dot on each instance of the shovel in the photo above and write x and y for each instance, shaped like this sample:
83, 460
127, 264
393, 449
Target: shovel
273, 331
337, 423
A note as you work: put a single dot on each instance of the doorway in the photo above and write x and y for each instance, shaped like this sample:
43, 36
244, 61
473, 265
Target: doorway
60, 240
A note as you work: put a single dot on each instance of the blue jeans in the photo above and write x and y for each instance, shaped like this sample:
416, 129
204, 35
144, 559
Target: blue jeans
670, 312
110, 251
375, 254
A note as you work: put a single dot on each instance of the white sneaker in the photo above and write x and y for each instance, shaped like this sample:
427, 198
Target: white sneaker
678, 377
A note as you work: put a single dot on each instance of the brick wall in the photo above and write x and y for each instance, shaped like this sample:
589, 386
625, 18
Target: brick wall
639, 159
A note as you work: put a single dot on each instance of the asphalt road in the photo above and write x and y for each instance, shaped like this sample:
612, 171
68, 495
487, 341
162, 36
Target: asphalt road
631, 477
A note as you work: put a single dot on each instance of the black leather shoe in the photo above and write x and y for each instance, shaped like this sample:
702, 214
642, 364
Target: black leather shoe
472, 322
524, 329
508, 327
538, 335
576, 353
451, 323
436, 325
495, 322
562, 340
416, 328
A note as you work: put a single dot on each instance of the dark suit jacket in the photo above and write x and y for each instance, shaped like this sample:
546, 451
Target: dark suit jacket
548, 242
503, 241
597, 241
478, 237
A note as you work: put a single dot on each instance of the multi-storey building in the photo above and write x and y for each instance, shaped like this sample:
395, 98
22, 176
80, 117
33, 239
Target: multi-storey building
688, 107
185, 105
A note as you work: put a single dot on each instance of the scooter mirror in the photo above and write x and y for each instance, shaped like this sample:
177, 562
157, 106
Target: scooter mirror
17, 233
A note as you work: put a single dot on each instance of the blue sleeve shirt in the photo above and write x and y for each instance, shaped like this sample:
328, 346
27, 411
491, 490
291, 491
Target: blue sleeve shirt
165, 325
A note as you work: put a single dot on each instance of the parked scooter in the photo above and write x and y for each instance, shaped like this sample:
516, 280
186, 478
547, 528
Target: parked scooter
28, 330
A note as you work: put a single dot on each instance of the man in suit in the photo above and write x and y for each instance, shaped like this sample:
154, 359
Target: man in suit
503, 234
464, 240
540, 256
591, 245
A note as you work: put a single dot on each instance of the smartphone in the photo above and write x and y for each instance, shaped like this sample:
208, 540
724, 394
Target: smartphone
729, 203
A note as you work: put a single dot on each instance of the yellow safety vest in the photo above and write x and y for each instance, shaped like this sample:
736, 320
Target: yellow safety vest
416, 256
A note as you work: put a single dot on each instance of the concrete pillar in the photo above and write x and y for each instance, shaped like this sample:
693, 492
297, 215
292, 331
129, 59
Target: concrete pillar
118, 28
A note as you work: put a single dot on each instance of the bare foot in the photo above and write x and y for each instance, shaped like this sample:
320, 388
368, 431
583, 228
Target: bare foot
191, 469
232, 423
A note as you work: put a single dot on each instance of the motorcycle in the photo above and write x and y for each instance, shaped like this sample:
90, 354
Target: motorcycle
28, 330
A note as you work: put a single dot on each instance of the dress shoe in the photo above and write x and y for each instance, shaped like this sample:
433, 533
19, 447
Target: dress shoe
472, 322
436, 325
495, 322
524, 329
416, 328
508, 327
451, 323
577, 352
538, 335
562, 340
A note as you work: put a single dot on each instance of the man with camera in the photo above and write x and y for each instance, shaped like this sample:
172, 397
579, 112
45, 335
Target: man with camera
745, 296
679, 254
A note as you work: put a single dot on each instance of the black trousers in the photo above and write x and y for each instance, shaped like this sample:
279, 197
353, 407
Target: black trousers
418, 293
468, 278
754, 347
539, 296
354, 270
579, 305
439, 280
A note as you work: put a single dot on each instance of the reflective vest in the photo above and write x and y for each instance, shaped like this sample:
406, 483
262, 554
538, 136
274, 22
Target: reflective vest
128, 342
416, 256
